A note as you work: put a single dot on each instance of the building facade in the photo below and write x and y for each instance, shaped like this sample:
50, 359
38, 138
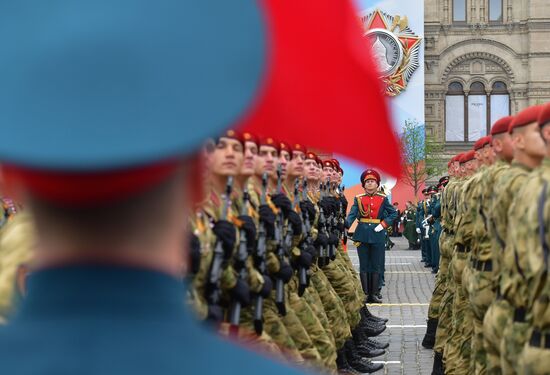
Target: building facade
484, 59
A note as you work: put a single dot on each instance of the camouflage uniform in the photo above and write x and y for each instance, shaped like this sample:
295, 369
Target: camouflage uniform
458, 348
498, 319
530, 242
441, 303
480, 288
16, 250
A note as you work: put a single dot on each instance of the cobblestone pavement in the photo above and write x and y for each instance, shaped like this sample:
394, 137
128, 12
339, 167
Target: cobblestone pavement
406, 297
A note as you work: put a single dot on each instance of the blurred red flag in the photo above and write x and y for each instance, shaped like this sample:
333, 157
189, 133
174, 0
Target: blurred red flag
322, 87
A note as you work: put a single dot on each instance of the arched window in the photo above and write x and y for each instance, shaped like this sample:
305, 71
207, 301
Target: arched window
500, 101
495, 10
459, 10
454, 113
477, 112
468, 118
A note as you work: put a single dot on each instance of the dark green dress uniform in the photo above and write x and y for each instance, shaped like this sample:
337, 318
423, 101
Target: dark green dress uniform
410, 228
421, 214
435, 232
371, 210
117, 95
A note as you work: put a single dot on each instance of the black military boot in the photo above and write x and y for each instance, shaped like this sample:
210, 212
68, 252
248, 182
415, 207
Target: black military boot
364, 284
367, 350
357, 362
439, 368
371, 329
367, 315
342, 364
429, 337
377, 344
373, 287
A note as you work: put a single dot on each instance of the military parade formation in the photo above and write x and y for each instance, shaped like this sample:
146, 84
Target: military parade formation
488, 313
268, 261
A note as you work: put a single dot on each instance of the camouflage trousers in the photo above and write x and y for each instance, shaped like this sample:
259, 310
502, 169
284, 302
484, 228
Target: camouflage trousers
333, 306
344, 286
534, 360
445, 322
441, 280
322, 342
276, 328
496, 319
514, 337
458, 348
481, 295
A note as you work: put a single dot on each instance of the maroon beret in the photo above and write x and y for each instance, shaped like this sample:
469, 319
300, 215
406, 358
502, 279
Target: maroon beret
501, 125
544, 115
525, 117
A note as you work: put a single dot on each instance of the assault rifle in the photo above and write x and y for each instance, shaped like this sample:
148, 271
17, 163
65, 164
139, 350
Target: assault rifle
240, 264
213, 291
306, 230
259, 262
279, 223
323, 251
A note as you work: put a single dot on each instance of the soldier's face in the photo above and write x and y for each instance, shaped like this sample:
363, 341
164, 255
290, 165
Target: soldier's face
250, 157
227, 157
284, 158
471, 166
489, 154
534, 144
371, 185
327, 174
319, 171
296, 165
340, 177
310, 169
267, 161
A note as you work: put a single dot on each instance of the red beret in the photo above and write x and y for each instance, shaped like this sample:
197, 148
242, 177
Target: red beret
285, 147
329, 164
335, 162
501, 125
248, 137
467, 156
310, 155
299, 147
232, 134
486, 141
478, 144
449, 163
269, 141
319, 161
544, 115
370, 174
526, 117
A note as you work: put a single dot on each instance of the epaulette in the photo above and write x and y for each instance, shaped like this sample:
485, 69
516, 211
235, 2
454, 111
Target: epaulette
380, 194
360, 195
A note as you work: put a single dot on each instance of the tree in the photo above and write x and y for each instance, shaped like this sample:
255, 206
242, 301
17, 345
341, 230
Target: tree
420, 152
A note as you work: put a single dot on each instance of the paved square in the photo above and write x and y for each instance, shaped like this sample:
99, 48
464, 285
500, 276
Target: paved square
406, 298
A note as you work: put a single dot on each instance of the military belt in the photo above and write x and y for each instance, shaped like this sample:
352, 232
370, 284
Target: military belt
486, 266
462, 249
519, 315
540, 340
370, 221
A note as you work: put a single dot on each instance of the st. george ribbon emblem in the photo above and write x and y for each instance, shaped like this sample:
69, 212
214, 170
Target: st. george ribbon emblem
394, 47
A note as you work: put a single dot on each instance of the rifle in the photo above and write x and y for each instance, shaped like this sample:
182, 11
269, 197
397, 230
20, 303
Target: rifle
213, 292
240, 264
302, 271
279, 284
259, 262
330, 224
323, 251
306, 228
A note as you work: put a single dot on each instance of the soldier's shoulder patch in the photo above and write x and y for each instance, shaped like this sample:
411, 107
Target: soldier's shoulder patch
380, 194
360, 195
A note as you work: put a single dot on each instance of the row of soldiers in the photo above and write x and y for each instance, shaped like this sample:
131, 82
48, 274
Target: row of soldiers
428, 224
268, 264
489, 312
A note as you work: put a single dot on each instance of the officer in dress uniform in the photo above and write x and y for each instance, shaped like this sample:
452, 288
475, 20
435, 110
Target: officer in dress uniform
374, 213
422, 228
101, 73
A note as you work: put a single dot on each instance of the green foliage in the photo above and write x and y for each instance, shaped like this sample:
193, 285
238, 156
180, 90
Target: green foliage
420, 155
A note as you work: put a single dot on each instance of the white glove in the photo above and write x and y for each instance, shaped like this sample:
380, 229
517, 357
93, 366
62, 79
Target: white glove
418, 230
379, 228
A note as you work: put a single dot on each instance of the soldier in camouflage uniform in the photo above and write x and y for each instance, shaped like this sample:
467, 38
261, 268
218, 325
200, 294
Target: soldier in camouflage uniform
530, 242
529, 150
457, 349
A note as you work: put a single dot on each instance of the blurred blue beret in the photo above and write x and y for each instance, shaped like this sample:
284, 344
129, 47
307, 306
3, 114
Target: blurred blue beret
107, 84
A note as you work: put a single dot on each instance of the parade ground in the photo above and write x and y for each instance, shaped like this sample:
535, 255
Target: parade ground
406, 297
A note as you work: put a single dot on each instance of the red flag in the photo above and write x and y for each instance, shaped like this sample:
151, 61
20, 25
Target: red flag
322, 88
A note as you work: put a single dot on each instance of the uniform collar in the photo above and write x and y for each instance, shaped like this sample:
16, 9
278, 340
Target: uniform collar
101, 290
521, 166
